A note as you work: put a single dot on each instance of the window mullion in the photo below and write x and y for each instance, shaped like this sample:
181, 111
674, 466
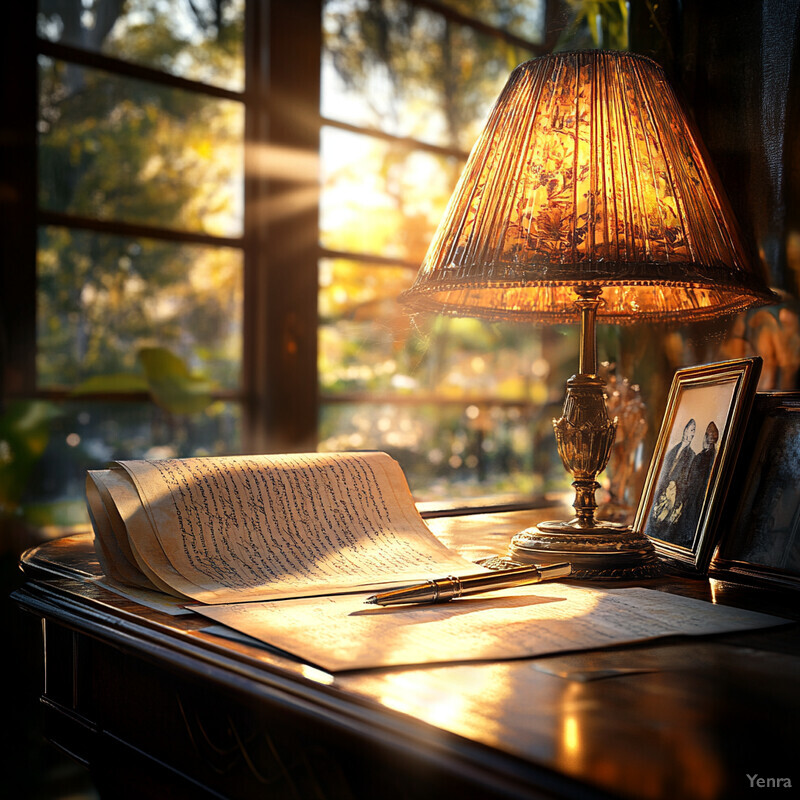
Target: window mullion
283, 52
135, 230
116, 66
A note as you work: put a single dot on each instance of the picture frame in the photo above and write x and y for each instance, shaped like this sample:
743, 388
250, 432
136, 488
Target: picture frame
761, 544
697, 446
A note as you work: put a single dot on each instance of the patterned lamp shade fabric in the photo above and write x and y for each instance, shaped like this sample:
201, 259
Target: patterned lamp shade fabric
588, 173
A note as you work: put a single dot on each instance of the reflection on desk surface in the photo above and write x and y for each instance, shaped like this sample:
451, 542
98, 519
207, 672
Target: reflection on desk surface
687, 718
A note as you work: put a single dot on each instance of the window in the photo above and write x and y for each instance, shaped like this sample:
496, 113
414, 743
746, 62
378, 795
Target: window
138, 282
460, 403
192, 290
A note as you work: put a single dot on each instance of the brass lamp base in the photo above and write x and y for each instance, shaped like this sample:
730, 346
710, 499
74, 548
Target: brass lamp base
605, 551
596, 549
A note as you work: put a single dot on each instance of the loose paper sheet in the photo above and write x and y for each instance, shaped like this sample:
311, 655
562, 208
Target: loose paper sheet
238, 528
158, 601
340, 633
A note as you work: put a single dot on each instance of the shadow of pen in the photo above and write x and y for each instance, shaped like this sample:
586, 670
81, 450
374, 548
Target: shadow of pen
462, 605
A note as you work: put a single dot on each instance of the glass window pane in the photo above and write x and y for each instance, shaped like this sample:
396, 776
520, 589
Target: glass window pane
453, 450
523, 18
133, 151
101, 299
364, 334
466, 406
410, 71
87, 434
369, 343
379, 197
201, 40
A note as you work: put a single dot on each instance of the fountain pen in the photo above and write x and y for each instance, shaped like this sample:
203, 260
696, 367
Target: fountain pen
443, 589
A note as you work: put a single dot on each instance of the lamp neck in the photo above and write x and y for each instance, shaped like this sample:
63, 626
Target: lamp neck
588, 302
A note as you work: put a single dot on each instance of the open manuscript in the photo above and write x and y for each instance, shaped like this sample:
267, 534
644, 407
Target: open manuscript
244, 528
316, 531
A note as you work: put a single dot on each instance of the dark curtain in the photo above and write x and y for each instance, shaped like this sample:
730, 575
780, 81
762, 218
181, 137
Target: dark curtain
737, 63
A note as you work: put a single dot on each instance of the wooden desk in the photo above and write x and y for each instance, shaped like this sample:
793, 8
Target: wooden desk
159, 707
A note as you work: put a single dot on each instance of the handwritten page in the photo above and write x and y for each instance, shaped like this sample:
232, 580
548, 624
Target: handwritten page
240, 528
341, 633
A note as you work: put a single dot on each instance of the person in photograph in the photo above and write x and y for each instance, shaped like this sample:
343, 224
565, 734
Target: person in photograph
671, 489
666, 513
678, 460
696, 485
672, 486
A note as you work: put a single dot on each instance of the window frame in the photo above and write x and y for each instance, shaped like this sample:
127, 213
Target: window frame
552, 23
279, 393
278, 390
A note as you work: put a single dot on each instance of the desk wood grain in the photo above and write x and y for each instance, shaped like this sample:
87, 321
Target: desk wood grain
149, 700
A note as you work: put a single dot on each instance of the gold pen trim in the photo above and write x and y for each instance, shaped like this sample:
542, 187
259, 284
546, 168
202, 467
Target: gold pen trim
452, 587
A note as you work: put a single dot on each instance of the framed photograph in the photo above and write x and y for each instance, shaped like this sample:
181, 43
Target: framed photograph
761, 543
695, 452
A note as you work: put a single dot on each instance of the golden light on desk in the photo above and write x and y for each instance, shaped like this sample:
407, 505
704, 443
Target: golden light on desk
587, 196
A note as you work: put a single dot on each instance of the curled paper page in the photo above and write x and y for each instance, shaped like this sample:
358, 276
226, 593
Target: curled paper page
243, 528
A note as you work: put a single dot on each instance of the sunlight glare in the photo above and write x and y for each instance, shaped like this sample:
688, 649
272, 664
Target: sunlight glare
317, 675
284, 163
408, 695
287, 204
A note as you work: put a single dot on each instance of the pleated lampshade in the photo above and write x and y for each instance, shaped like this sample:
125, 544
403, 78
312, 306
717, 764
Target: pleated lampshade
587, 173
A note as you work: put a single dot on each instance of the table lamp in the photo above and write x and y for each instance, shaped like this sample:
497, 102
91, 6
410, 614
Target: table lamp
587, 196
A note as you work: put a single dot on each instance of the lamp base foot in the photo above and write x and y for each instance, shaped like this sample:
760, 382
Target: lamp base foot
605, 551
